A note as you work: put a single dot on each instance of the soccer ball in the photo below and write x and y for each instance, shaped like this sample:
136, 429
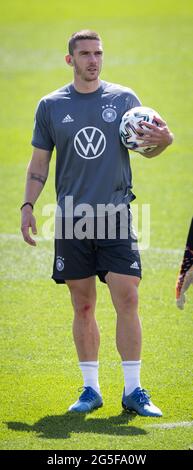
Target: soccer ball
130, 124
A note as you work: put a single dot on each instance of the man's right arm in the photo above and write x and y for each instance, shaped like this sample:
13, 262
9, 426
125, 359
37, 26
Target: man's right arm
37, 174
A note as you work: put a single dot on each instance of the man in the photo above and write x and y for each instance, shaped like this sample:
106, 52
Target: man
185, 277
82, 120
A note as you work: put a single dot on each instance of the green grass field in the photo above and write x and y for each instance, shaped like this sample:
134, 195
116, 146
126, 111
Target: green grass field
148, 46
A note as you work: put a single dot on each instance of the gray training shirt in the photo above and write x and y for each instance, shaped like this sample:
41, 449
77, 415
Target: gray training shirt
92, 165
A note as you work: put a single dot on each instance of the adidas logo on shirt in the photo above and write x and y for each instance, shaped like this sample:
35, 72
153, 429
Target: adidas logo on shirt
134, 265
68, 118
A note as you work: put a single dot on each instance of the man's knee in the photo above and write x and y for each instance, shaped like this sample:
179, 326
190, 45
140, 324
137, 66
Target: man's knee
125, 298
83, 300
83, 308
129, 299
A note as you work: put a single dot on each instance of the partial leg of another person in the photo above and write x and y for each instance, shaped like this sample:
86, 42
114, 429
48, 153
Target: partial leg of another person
87, 340
185, 276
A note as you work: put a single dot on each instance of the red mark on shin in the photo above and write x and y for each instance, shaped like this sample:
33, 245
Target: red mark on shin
86, 307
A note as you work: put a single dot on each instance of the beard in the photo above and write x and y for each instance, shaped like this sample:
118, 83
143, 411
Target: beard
86, 75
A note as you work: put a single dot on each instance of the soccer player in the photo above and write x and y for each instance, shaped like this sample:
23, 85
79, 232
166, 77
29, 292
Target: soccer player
185, 277
81, 120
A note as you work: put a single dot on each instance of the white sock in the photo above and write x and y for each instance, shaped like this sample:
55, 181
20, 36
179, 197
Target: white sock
90, 374
131, 371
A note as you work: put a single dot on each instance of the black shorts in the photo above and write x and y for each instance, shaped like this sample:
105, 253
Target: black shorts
79, 259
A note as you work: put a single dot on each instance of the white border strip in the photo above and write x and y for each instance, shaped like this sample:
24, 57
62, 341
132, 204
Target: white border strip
182, 424
13, 236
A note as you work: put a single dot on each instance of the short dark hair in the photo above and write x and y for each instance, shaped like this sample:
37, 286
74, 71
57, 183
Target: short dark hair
79, 36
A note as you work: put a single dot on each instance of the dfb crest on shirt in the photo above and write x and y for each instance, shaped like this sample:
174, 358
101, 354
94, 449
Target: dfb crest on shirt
109, 113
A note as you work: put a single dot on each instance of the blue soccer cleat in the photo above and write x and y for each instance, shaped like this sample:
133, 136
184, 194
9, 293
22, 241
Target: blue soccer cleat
139, 401
89, 400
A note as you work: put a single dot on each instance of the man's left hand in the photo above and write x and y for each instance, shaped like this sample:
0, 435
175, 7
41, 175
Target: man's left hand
153, 134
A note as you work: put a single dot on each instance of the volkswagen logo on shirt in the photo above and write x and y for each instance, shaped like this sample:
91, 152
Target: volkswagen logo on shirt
89, 142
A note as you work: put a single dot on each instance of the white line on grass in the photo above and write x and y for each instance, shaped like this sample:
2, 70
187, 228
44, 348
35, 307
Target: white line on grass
13, 236
182, 424
17, 237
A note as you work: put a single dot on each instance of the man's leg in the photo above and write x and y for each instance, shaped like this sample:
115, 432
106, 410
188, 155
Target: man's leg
124, 294
87, 340
85, 328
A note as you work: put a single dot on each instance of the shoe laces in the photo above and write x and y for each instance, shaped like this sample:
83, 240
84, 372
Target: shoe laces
142, 397
87, 394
